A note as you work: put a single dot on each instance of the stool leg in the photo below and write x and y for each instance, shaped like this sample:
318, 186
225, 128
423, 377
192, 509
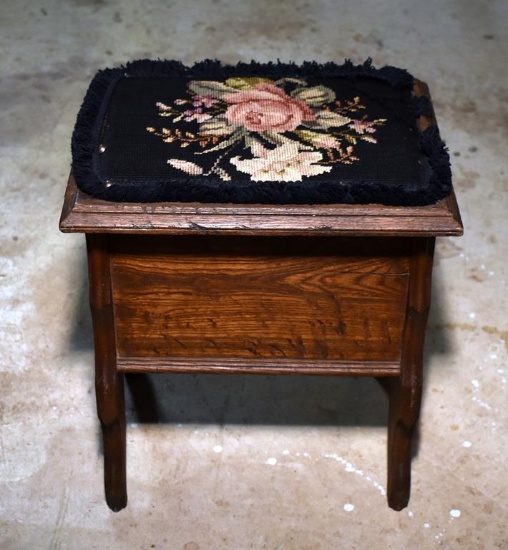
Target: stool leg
401, 425
111, 412
405, 391
109, 383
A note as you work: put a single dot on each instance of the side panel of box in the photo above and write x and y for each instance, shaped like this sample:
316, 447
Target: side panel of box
260, 298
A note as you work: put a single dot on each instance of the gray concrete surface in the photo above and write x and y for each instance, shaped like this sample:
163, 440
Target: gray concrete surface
238, 462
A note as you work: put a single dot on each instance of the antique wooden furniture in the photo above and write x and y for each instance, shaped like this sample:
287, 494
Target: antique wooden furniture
328, 289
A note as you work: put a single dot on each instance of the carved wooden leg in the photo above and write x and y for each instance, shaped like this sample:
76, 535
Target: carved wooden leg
405, 391
109, 383
111, 411
400, 432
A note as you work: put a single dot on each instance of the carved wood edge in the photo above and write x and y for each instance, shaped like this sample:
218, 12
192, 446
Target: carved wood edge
258, 366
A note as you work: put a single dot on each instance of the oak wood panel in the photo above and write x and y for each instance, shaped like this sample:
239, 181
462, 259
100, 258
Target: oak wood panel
352, 254
204, 298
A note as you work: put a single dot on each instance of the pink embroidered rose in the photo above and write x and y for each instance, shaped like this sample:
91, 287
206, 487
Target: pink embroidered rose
266, 107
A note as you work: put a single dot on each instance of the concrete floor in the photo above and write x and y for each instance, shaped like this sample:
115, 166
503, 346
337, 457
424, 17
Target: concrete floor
241, 462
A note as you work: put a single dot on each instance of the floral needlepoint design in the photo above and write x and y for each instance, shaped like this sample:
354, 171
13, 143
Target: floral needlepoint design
259, 133
266, 107
283, 130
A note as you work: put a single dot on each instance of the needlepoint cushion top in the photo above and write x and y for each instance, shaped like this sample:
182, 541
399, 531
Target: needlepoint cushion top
257, 133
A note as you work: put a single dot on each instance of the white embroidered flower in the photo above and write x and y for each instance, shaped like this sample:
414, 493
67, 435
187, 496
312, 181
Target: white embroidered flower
285, 163
186, 166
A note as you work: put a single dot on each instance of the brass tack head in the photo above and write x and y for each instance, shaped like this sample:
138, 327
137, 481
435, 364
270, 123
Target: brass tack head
102, 148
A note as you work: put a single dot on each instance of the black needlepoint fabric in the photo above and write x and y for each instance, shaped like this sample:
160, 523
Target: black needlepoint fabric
257, 133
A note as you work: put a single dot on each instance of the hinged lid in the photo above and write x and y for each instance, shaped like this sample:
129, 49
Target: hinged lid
266, 149
258, 134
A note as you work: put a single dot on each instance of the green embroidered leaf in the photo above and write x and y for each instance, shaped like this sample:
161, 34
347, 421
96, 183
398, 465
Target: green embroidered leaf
246, 83
217, 126
280, 139
315, 96
329, 119
319, 139
311, 124
308, 135
210, 88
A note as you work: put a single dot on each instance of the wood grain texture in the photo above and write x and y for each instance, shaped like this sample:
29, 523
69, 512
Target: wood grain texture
279, 299
84, 214
213, 365
405, 391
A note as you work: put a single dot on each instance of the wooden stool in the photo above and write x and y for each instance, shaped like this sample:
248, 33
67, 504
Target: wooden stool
257, 285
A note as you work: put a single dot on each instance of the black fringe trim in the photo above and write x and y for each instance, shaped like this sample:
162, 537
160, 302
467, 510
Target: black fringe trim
433, 147
88, 127
422, 106
214, 68
87, 131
